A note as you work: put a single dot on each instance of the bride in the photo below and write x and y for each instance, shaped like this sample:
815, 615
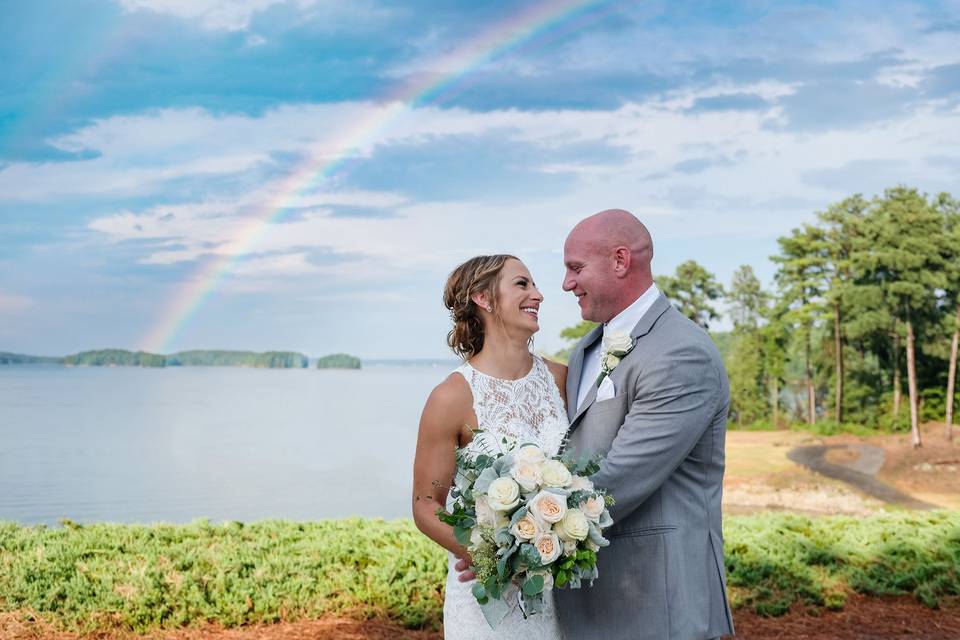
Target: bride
505, 392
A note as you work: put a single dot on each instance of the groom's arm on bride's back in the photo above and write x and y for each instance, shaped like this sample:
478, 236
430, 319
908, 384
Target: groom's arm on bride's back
447, 412
678, 396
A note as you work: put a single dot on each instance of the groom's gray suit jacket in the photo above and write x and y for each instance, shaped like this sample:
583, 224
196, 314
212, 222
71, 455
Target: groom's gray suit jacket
663, 437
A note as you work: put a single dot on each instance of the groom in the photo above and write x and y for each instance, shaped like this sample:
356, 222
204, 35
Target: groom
659, 417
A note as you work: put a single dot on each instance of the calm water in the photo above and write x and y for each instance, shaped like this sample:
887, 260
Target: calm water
146, 445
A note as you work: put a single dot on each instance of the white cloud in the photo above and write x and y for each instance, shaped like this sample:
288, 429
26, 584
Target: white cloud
229, 15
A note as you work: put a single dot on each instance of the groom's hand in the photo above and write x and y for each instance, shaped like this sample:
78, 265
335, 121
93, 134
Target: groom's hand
463, 567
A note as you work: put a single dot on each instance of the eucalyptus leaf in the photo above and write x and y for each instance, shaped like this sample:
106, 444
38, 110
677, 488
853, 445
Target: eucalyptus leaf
487, 476
533, 585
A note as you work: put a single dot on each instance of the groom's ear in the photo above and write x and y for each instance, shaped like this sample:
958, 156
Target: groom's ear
621, 261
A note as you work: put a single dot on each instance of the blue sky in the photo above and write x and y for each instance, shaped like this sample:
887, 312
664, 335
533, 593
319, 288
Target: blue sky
138, 136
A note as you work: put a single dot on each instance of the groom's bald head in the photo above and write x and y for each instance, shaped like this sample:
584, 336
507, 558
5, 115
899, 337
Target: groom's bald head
608, 258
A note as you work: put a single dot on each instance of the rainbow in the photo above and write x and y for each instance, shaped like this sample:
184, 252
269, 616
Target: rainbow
534, 26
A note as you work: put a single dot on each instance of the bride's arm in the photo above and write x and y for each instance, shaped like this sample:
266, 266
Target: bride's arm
559, 372
447, 410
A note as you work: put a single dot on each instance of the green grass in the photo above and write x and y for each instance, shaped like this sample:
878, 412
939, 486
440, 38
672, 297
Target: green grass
148, 577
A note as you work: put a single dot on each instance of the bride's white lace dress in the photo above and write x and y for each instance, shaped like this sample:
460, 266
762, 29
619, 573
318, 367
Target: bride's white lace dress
526, 410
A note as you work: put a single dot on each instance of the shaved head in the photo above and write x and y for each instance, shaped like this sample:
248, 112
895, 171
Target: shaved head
612, 228
608, 257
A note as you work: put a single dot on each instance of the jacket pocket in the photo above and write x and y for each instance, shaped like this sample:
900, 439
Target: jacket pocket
644, 531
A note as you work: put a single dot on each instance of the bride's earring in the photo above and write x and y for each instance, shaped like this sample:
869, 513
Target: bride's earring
489, 309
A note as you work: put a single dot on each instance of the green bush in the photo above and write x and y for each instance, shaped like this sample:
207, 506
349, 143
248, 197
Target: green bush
161, 576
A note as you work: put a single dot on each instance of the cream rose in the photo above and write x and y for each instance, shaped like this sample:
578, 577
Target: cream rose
503, 494
574, 525
569, 547
549, 507
555, 474
579, 483
549, 546
593, 508
527, 527
527, 475
529, 453
617, 342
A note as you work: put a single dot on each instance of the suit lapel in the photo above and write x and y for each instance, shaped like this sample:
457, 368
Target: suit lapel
642, 328
576, 369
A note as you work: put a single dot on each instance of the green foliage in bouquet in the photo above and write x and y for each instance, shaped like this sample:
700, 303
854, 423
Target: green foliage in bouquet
498, 513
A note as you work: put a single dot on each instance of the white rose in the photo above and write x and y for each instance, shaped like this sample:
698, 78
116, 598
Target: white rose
617, 342
579, 483
527, 475
555, 474
529, 453
549, 546
549, 507
611, 361
569, 547
574, 526
527, 527
485, 515
503, 494
593, 508
591, 545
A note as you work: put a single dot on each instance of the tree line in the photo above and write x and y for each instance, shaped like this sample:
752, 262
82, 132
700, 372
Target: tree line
863, 318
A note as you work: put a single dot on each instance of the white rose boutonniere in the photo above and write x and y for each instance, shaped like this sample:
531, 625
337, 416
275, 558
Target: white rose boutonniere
616, 345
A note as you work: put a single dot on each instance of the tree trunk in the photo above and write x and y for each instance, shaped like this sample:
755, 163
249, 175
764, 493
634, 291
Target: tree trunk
952, 377
808, 378
838, 359
896, 373
776, 403
912, 386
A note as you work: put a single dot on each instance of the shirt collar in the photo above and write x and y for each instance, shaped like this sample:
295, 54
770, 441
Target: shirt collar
626, 320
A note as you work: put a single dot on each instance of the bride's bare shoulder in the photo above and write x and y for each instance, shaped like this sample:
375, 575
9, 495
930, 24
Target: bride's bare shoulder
451, 397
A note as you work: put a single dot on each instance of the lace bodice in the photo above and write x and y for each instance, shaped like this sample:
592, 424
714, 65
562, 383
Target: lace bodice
526, 410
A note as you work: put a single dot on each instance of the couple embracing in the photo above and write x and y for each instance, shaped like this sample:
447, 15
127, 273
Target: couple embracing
659, 418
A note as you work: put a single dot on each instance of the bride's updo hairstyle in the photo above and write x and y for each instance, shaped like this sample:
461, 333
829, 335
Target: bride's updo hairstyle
476, 275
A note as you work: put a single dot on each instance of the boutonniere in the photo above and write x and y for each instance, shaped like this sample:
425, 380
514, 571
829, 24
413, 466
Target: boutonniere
615, 348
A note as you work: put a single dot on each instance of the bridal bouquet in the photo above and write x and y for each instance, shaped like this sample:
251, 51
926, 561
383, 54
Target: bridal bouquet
530, 522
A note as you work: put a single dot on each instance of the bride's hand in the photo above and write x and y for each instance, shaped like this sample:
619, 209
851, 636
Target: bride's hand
463, 568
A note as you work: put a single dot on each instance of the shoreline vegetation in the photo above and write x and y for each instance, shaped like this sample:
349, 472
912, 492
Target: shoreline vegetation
194, 358
148, 577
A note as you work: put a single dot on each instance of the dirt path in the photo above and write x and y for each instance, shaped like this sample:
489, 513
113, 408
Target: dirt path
858, 472
862, 619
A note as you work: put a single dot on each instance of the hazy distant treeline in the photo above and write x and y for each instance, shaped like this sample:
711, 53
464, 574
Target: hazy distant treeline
863, 323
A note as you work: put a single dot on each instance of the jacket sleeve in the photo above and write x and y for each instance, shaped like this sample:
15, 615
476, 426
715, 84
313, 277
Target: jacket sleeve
676, 400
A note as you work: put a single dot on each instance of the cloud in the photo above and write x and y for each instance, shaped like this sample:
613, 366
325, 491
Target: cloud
229, 15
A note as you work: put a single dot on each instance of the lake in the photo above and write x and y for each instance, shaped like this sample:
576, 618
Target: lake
146, 445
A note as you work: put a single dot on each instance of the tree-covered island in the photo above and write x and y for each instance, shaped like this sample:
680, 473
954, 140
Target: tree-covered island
338, 361
197, 358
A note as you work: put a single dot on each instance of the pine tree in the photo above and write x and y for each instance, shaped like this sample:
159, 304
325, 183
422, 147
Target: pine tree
905, 258
693, 290
800, 278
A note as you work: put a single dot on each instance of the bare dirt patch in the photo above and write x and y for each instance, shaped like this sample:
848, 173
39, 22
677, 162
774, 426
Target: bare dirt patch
861, 619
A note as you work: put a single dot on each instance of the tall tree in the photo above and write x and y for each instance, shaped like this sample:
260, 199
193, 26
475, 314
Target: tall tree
906, 257
950, 210
841, 226
747, 302
800, 278
693, 290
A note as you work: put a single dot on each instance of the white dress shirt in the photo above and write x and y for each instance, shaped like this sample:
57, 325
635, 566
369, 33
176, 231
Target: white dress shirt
624, 322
